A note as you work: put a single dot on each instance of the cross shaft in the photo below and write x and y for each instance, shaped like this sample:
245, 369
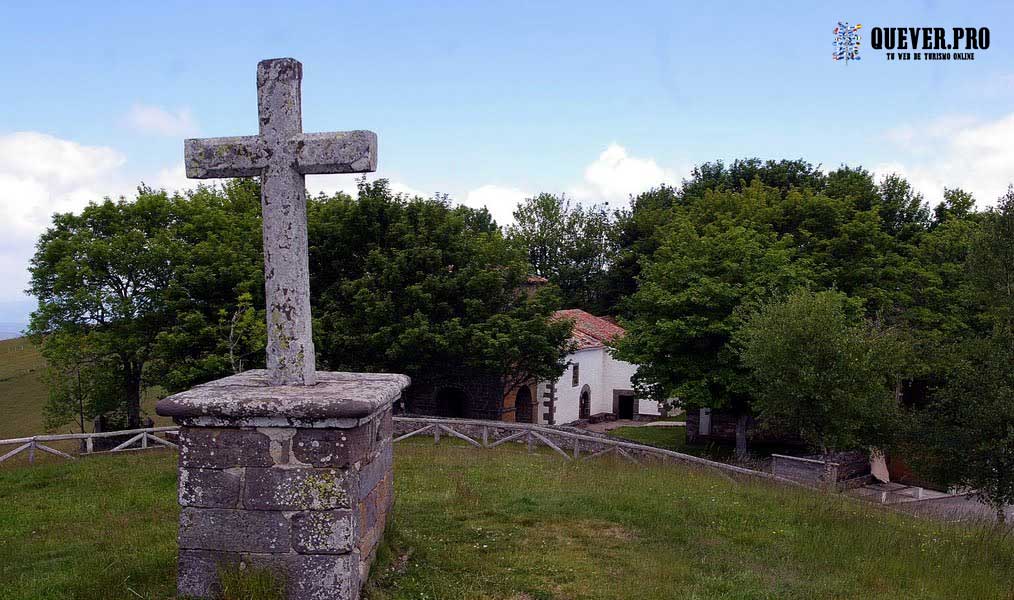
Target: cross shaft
281, 156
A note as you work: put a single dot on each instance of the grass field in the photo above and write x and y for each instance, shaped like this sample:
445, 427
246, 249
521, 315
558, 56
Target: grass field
670, 438
23, 394
22, 391
501, 524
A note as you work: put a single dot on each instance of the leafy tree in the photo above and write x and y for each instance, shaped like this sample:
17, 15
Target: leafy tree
420, 287
571, 245
957, 204
782, 175
822, 371
634, 234
142, 279
966, 436
901, 208
991, 262
82, 380
686, 311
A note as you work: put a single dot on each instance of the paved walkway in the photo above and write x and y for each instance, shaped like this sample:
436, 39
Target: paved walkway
930, 503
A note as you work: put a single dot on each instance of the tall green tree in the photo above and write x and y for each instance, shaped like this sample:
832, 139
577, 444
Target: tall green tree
991, 261
822, 371
141, 278
83, 381
571, 245
687, 308
420, 287
965, 437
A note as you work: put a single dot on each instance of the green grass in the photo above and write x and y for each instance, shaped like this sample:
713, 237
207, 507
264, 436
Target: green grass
500, 524
23, 394
22, 391
670, 438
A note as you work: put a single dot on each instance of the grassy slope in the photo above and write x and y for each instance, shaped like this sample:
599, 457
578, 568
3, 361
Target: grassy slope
23, 393
498, 524
670, 438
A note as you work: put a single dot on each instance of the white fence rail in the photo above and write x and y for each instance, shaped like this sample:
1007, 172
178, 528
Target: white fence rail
139, 439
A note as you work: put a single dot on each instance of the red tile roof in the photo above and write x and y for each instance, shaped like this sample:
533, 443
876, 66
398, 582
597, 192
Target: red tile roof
589, 331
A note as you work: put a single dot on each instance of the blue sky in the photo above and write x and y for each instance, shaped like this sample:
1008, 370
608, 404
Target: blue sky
490, 102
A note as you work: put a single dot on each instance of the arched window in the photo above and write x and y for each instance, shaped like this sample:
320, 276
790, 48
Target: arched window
584, 408
523, 405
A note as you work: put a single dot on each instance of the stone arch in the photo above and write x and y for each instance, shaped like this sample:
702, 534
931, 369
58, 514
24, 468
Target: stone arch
524, 405
584, 403
452, 401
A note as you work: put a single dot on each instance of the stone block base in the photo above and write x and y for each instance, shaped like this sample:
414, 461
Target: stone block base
302, 488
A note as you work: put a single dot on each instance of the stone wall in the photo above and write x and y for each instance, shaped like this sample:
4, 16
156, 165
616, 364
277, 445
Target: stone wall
485, 396
846, 468
309, 503
295, 479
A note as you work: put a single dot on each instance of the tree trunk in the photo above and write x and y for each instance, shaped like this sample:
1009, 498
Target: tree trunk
741, 424
1001, 515
133, 381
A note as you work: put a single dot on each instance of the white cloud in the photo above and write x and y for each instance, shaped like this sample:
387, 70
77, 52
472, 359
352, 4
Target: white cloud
156, 120
500, 201
955, 151
39, 175
173, 179
331, 184
613, 177
616, 175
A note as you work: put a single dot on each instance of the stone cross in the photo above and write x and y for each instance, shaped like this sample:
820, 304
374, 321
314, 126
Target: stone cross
282, 155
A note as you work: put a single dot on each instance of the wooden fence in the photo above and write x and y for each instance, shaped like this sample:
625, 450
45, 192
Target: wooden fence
139, 439
568, 444
480, 434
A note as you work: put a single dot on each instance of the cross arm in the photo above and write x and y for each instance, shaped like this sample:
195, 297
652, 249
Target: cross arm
336, 152
242, 156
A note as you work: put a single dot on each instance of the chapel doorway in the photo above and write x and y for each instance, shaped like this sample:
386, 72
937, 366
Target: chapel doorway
625, 406
452, 402
523, 405
584, 405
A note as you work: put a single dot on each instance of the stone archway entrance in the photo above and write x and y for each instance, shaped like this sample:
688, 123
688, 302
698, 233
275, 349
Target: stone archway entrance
584, 406
452, 402
523, 406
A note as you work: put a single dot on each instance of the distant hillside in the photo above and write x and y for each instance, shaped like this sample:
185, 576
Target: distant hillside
23, 393
10, 330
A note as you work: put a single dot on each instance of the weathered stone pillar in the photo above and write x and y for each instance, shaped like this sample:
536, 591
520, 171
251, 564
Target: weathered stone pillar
296, 479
